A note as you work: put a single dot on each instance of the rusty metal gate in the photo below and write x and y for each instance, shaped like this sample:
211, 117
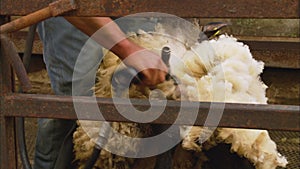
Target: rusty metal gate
271, 117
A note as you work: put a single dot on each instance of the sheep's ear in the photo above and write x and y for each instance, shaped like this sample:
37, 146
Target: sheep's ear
211, 30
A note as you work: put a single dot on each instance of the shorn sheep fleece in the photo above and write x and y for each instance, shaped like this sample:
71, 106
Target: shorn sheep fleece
218, 70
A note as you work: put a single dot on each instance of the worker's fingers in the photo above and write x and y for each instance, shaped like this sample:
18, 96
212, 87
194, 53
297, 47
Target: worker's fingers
152, 77
149, 65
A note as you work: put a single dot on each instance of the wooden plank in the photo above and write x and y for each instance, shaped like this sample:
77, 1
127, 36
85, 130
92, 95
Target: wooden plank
279, 54
181, 8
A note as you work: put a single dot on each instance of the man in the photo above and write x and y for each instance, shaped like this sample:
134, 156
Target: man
63, 40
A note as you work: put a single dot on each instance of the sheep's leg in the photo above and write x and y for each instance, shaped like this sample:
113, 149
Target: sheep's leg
182, 158
164, 160
145, 163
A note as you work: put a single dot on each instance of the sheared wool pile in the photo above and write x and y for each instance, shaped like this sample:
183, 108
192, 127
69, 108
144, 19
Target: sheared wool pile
40, 82
219, 70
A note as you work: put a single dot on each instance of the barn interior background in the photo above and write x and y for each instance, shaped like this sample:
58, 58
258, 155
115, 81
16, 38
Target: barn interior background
280, 74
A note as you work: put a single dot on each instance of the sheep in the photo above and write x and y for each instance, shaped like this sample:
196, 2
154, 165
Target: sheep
219, 70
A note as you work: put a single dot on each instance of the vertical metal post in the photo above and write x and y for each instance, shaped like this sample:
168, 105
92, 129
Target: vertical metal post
8, 154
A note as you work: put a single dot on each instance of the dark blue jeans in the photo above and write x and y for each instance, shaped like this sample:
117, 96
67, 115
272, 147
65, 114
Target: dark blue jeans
62, 44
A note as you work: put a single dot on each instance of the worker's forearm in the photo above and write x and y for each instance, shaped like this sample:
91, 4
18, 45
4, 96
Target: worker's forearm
107, 33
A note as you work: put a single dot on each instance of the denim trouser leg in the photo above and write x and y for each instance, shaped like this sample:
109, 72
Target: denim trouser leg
51, 133
62, 44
